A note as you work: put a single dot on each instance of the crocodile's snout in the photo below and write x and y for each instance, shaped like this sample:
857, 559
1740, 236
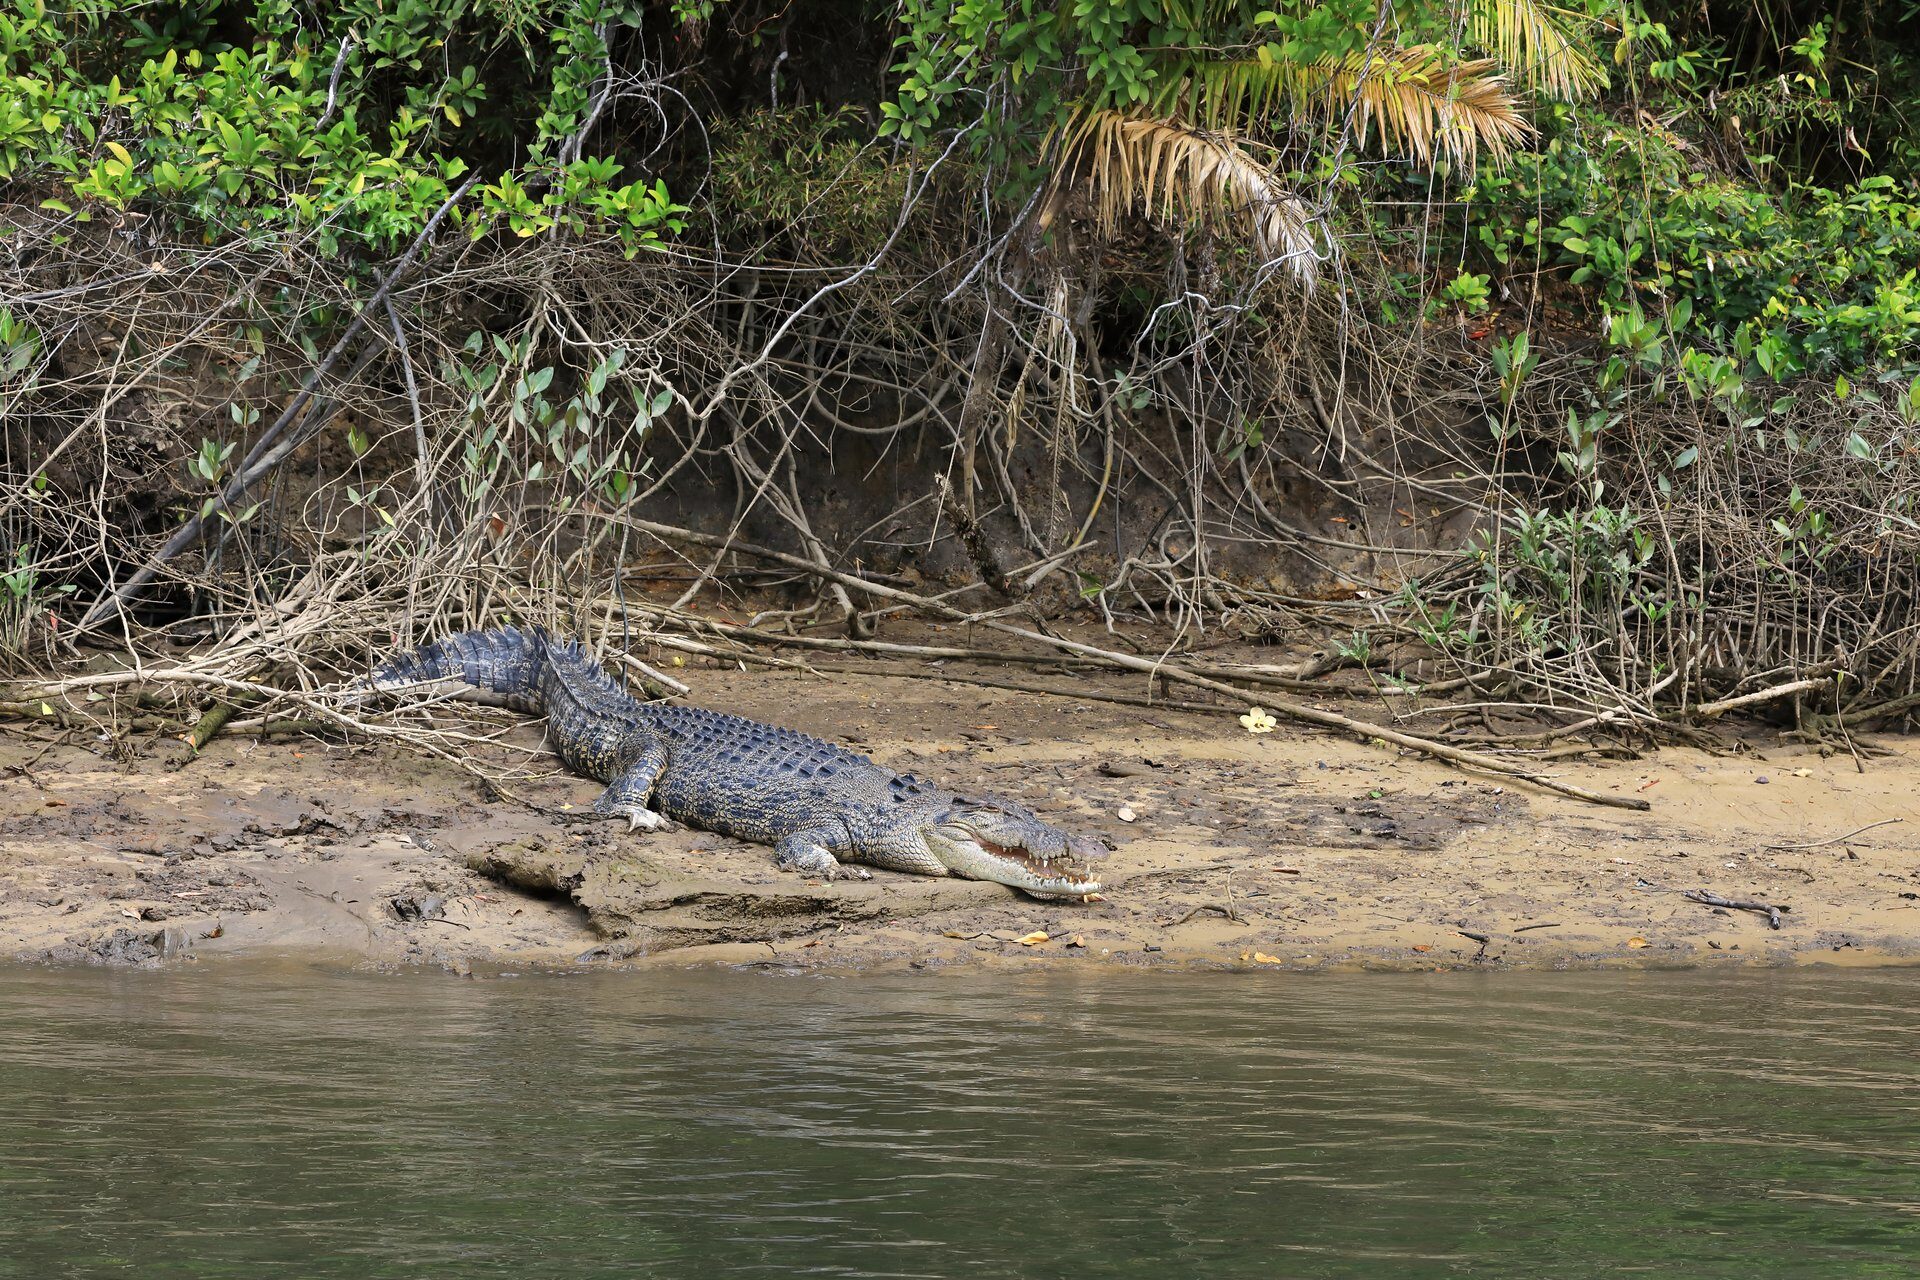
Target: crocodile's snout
1016, 849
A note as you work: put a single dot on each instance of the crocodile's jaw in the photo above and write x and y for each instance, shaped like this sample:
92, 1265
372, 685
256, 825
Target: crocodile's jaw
970, 856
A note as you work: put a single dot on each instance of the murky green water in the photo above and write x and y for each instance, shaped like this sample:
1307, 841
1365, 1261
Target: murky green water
241, 1122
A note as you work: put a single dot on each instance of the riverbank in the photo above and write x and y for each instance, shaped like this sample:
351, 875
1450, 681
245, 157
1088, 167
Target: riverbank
1292, 850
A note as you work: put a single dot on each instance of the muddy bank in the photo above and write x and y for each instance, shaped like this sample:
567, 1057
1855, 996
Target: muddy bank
1291, 849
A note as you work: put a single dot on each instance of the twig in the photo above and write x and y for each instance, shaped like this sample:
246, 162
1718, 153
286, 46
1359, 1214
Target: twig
333, 81
1226, 910
1821, 844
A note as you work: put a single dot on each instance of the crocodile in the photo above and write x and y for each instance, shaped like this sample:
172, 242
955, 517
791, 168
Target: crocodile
820, 805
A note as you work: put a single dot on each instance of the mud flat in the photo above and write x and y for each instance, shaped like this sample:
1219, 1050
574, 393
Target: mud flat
1289, 850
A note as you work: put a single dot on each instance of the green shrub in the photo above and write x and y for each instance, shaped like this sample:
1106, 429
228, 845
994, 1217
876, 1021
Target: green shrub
226, 119
1809, 280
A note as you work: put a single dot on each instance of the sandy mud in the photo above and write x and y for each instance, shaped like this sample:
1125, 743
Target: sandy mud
1294, 850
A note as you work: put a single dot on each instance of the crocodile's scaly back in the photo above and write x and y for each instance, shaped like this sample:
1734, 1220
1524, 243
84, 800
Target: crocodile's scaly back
810, 798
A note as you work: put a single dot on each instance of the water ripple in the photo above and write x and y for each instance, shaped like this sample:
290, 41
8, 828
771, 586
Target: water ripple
235, 1121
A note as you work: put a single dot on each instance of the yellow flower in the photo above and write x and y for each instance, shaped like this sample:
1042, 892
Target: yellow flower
1258, 720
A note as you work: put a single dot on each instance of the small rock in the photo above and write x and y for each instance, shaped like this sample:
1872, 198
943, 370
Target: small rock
1125, 768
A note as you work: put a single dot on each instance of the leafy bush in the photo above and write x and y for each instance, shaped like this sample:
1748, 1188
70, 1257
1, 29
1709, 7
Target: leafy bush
354, 119
1809, 280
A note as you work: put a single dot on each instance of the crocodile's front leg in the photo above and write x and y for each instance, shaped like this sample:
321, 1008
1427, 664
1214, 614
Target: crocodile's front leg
627, 795
810, 851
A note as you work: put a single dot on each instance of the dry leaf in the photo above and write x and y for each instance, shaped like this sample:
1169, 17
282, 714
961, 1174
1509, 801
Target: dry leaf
1033, 939
1261, 957
1422, 947
1076, 941
1637, 943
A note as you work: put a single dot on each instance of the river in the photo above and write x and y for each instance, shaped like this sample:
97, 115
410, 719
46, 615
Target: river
242, 1119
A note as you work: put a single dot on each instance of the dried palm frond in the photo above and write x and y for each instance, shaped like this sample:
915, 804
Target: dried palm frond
1123, 162
1538, 41
1425, 103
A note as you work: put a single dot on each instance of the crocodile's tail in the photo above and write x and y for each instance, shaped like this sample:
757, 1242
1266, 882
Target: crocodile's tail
503, 666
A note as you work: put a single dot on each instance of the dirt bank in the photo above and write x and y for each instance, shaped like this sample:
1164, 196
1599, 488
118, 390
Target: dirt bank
1291, 849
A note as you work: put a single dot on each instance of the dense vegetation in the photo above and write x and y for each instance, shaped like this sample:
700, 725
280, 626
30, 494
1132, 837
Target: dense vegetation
1634, 288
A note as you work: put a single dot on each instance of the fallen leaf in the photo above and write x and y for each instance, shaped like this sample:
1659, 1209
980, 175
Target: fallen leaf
1637, 943
129, 913
983, 726
1422, 947
1261, 957
1033, 939
1803, 773
1076, 941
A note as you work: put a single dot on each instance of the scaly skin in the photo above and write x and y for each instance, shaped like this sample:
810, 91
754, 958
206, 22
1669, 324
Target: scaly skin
816, 803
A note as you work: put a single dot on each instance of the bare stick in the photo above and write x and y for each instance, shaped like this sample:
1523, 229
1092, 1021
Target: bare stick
1712, 710
333, 81
1771, 912
1821, 844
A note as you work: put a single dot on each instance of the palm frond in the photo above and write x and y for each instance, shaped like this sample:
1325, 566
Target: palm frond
1424, 102
1538, 41
1123, 162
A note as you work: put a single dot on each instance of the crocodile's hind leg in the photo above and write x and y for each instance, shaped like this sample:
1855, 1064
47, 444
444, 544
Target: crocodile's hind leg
627, 795
808, 852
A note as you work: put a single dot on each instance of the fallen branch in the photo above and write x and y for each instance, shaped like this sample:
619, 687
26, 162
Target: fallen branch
1713, 710
1772, 913
209, 725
